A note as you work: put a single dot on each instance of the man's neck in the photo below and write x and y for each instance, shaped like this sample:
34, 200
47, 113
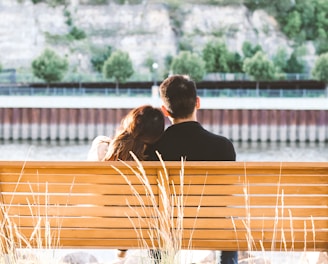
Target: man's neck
182, 120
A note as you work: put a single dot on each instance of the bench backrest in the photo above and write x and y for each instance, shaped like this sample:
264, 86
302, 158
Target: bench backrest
225, 205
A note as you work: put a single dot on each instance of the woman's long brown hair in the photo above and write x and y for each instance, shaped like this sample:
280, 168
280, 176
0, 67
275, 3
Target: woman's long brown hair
141, 126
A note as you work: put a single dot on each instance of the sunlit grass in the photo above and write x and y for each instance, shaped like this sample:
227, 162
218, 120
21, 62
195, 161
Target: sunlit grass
39, 246
165, 225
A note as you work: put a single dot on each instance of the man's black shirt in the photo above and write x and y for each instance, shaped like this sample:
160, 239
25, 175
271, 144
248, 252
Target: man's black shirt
192, 142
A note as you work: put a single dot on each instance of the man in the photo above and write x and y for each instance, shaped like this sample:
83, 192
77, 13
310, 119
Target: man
186, 137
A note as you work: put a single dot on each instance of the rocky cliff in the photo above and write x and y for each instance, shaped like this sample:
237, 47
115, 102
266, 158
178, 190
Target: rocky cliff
145, 31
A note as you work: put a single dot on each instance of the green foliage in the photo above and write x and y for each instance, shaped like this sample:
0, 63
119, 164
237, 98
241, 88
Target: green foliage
167, 65
51, 2
218, 58
118, 66
249, 50
68, 21
235, 62
74, 33
49, 66
99, 57
256, 4
322, 41
0, 68
259, 67
293, 25
149, 61
306, 20
282, 5
294, 63
289, 64
280, 60
320, 70
190, 64
77, 34
300, 20
215, 55
185, 44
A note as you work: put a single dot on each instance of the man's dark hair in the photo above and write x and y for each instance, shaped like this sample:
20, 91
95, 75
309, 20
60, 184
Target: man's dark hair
178, 93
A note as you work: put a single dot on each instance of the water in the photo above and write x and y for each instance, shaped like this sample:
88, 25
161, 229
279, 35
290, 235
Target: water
77, 151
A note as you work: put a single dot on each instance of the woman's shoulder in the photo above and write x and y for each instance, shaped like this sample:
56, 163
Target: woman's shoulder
98, 148
101, 139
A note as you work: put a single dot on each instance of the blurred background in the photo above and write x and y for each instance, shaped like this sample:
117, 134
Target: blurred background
208, 39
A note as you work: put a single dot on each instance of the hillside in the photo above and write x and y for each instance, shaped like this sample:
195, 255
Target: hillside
147, 30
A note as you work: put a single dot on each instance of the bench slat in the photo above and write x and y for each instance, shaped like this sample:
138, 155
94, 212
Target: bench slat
190, 201
99, 211
88, 202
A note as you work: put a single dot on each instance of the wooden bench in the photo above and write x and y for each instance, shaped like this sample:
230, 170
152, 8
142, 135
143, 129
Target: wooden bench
225, 205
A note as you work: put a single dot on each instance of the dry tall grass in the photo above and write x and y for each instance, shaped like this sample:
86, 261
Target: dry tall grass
289, 254
39, 246
165, 225
166, 229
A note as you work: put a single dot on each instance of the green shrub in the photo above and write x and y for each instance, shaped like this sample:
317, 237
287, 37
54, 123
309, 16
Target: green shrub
215, 57
118, 66
295, 64
249, 50
77, 34
259, 67
190, 64
99, 56
68, 21
320, 70
49, 66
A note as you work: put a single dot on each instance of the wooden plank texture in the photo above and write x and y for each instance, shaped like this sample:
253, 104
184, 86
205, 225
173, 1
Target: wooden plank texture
221, 205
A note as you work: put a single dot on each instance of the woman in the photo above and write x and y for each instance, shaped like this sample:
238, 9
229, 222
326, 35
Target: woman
140, 127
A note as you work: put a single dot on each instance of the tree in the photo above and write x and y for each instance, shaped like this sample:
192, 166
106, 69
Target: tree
293, 25
216, 57
320, 69
260, 68
250, 50
118, 66
235, 62
322, 25
190, 64
322, 41
294, 63
99, 57
49, 66
280, 61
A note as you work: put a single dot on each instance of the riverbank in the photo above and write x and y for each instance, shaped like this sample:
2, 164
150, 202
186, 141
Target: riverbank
239, 119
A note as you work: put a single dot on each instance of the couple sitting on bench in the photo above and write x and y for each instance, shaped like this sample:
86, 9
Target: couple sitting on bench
142, 132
